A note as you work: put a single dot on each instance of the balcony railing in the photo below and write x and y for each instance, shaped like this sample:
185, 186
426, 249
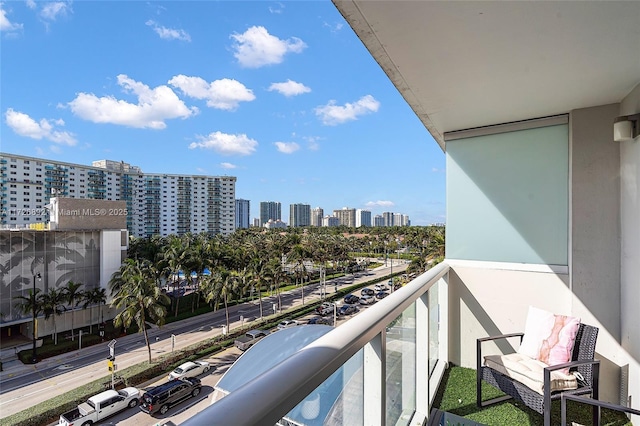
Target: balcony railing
391, 358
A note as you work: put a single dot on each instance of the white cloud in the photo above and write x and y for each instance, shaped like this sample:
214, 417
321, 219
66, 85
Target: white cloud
51, 11
226, 144
24, 125
256, 47
289, 88
5, 24
277, 10
380, 203
153, 108
332, 114
228, 166
221, 94
31, 4
169, 33
287, 147
333, 28
312, 143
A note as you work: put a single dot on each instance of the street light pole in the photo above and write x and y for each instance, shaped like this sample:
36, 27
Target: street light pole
34, 358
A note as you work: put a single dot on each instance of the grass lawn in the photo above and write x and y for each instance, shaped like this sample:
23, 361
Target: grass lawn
458, 395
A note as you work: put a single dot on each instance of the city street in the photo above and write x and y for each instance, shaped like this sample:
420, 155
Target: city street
26, 385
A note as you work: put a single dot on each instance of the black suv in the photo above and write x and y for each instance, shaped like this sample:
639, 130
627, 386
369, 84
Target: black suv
162, 397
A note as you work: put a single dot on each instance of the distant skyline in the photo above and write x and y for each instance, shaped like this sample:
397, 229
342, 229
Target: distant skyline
282, 95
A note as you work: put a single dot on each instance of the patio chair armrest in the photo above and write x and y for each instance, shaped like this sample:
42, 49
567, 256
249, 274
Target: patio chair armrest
594, 362
488, 339
501, 336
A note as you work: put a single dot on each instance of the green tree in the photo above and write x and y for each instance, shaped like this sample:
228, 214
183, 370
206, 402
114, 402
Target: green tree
135, 292
221, 285
95, 296
73, 296
52, 304
30, 305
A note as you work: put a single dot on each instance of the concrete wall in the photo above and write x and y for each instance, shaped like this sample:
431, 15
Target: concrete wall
630, 247
595, 214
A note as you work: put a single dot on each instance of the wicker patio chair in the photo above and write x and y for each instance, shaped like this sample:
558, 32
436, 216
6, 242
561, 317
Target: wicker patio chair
582, 361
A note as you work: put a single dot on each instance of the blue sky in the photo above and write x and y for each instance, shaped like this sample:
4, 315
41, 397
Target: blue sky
282, 95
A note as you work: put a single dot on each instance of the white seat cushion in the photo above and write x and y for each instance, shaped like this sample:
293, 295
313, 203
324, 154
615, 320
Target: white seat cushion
529, 372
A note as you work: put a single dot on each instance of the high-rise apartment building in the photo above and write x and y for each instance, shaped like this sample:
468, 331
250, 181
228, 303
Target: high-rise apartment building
330, 221
157, 204
270, 210
242, 213
346, 216
388, 218
363, 218
316, 216
299, 215
378, 220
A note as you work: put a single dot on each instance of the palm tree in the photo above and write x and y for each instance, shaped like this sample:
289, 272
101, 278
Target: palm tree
135, 291
95, 296
298, 255
175, 260
221, 285
30, 305
52, 304
73, 296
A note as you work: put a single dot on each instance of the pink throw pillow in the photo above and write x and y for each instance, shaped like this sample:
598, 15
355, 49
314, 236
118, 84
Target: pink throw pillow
549, 338
557, 348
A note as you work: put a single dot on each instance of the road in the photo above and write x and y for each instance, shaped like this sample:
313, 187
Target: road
47, 379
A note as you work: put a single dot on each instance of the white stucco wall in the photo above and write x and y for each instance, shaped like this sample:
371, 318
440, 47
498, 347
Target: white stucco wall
110, 256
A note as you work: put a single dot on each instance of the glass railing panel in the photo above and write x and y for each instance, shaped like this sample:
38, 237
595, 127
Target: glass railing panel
339, 400
401, 367
434, 325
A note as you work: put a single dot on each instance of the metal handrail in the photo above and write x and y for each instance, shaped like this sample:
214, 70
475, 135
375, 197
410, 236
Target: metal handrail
270, 396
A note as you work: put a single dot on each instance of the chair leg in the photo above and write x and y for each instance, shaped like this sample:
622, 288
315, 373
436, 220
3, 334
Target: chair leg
547, 415
479, 387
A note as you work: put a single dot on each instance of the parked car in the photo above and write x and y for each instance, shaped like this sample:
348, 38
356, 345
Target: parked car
287, 324
367, 292
351, 298
100, 406
347, 310
380, 287
160, 398
382, 294
249, 339
319, 320
325, 308
190, 369
367, 300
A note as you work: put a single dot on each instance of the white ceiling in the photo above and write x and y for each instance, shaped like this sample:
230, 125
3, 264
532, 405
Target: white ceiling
467, 64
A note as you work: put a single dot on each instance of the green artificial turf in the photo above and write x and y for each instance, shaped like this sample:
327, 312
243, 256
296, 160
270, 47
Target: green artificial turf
457, 394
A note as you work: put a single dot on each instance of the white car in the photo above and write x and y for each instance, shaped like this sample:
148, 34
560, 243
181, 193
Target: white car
190, 369
367, 300
287, 324
380, 287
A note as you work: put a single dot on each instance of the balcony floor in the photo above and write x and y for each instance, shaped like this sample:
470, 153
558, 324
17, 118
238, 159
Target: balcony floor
457, 395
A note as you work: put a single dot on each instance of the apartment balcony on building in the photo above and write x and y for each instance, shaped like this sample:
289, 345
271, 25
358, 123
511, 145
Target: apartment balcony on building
542, 208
